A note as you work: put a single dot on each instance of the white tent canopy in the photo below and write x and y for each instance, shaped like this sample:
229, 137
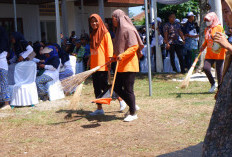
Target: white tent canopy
172, 1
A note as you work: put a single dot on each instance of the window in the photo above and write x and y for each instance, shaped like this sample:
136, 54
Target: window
8, 24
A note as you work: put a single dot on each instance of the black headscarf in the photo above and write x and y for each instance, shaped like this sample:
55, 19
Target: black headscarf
64, 56
36, 48
4, 40
20, 44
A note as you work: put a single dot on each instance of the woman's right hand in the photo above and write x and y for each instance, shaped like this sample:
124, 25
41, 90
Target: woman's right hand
221, 39
168, 46
201, 49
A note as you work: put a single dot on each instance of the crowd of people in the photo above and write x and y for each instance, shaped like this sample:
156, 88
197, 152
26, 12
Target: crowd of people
90, 52
176, 38
124, 44
181, 39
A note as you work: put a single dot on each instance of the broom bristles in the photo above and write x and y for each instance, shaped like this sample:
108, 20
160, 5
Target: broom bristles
75, 100
71, 83
185, 83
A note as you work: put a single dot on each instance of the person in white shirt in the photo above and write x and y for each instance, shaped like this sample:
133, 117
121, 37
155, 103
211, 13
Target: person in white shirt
4, 88
51, 66
65, 63
20, 47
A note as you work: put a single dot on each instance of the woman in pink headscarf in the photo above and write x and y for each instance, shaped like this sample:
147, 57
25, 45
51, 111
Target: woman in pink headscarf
213, 55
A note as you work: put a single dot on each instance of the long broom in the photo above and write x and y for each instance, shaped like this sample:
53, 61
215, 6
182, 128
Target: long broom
75, 83
185, 83
71, 83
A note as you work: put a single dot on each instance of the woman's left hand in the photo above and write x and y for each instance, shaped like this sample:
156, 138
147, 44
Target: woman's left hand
41, 65
20, 59
222, 40
119, 58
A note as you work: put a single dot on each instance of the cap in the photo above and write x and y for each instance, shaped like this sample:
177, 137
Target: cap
159, 19
46, 50
185, 20
190, 14
78, 41
177, 20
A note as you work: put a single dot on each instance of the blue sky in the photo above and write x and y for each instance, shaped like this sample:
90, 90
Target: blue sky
136, 10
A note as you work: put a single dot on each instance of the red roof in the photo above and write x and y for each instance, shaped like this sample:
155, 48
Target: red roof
139, 17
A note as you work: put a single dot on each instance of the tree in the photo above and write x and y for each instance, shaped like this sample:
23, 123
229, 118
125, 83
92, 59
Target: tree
181, 10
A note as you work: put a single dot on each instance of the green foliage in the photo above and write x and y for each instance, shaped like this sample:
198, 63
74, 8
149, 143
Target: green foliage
139, 23
181, 10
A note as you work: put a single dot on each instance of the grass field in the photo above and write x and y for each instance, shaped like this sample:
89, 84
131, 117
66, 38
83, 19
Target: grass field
169, 122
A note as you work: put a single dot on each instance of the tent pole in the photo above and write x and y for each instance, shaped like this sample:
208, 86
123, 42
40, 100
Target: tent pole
15, 16
148, 48
57, 22
64, 18
101, 9
152, 18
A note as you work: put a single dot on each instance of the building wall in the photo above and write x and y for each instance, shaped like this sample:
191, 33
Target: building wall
31, 18
29, 15
88, 10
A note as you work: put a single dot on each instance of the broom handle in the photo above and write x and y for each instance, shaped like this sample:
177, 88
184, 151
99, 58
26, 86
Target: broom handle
196, 60
115, 74
106, 63
109, 77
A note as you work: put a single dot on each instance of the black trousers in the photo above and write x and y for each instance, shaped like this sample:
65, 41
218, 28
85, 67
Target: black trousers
124, 87
100, 82
178, 49
219, 68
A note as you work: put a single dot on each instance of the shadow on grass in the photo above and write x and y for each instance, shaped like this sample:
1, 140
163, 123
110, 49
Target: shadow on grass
192, 151
75, 115
179, 95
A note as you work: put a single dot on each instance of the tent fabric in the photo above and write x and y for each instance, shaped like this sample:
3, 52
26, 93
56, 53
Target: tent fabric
169, 2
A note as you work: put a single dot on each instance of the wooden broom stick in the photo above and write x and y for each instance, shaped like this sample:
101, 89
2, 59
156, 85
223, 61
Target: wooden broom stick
185, 83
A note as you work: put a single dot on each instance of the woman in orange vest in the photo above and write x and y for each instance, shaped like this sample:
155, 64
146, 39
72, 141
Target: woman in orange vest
101, 49
213, 26
127, 46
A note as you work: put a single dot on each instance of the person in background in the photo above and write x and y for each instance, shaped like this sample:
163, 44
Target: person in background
85, 44
65, 62
79, 52
111, 32
127, 46
211, 57
51, 65
84, 35
101, 48
191, 41
38, 49
20, 46
73, 37
183, 23
172, 33
4, 88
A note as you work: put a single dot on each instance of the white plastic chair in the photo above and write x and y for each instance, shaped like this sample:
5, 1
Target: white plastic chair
55, 91
25, 90
73, 61
167, 64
